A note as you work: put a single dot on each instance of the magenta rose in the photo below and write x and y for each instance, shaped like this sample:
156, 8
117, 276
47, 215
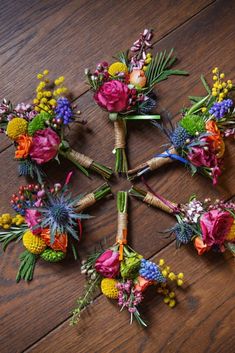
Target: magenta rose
113, 96
201, 157
32, 218
45, 145
215, 225
108, 264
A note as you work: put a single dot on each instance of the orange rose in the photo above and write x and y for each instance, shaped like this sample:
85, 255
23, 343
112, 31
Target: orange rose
200, 246
60, 243
24, 143
142, 284
215, 137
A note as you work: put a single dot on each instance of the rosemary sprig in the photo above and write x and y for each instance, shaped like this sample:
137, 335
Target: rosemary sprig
91, 288
14, 233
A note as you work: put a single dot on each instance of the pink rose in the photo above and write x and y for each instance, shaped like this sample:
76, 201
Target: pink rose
32, 218
215, 225
113, 96
45, 145
200, 157
108, 264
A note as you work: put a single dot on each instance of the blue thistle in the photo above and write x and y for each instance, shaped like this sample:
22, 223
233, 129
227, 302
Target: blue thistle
58, 214
150, 271
29, 168
179, 137
147, 106
220, 109
183, 233
64, 110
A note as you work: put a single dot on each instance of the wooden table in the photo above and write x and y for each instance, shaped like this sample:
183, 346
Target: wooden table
66, 37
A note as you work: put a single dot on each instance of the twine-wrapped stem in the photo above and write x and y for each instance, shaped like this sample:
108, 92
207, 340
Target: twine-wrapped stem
164, 205
154, 163
85, 202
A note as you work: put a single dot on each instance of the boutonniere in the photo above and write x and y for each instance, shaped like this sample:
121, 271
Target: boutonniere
208, 225
38, 130
197, 140
47, 222
124, 275
124, 88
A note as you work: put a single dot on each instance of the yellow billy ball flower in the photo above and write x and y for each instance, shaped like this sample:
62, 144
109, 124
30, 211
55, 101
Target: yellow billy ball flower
180, 275
16, 127
46, 72
116, 68
39, 76
109, 288
33, 243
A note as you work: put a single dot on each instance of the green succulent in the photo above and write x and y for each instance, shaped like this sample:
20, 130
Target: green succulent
193, 124
130, 265
50, 255
38, 122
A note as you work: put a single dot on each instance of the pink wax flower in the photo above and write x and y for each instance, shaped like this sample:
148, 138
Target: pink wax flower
45, 145
215, 226
108, 264
32, 218
113, 96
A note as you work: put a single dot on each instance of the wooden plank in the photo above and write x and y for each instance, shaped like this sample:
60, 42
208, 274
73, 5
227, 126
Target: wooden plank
40, 35
22, 304
201, 321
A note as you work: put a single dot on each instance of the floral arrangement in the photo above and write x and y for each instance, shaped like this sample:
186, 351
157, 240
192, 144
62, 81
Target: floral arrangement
198, 138
38, 130
209, 225
123, 275
47, 221
125, 88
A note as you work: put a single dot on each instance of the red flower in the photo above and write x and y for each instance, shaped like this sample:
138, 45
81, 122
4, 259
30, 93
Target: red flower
45, 145
215, 225
113, 96
108, 264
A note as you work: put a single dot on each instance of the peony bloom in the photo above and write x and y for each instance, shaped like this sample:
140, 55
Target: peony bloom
113, 96
108, 264
215, 225
45, 145
32, 218
24, 143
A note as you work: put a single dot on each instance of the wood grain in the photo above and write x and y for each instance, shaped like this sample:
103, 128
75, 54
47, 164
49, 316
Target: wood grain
201, 321
64, 32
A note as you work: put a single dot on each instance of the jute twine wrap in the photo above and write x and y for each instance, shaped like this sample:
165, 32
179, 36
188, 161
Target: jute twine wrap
122, 227
80, 158
157, 162
119, 134
152, 200
87, 201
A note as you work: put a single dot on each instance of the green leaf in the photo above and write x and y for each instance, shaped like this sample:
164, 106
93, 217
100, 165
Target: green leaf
205, 84
27, 265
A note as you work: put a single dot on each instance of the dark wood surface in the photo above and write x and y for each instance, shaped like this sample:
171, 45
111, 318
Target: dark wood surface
66, 37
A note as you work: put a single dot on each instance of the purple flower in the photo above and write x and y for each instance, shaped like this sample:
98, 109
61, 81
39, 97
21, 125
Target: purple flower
64, 110
220, 109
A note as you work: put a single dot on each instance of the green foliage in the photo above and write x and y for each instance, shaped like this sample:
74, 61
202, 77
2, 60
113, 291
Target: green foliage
123, 57
159, 68
38, 122
193, 124
90, 291
27, 265
15, 233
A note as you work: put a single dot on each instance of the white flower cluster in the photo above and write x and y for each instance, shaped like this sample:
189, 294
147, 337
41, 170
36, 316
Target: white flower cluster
193, 210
